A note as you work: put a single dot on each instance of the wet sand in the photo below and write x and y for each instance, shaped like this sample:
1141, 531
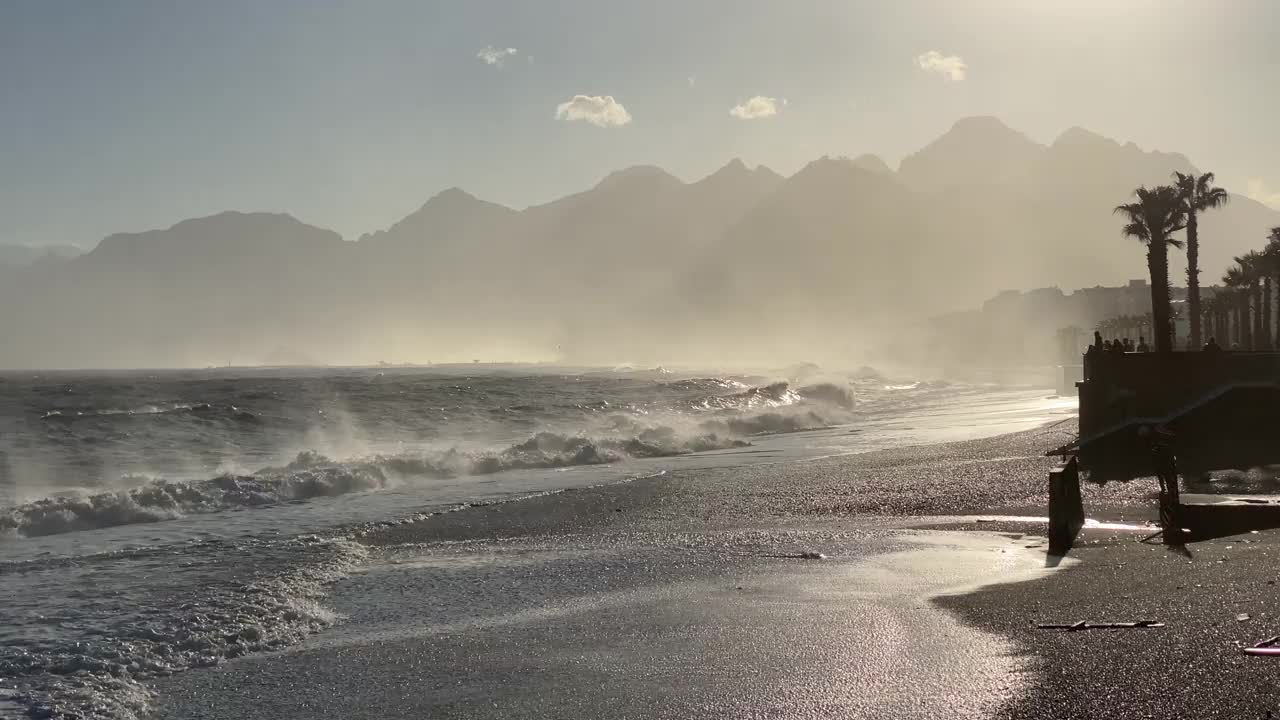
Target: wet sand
1192, 668
687, 596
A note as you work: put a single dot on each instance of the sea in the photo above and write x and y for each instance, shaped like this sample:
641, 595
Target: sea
152, 522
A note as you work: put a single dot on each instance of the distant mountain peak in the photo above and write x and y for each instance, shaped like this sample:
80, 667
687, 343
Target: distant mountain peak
873, 163
824, 169
448, 208
234, 218
451, 194
768, 172
735, 178
230, 231
639, 172
845, 166
1077, 135
825, 161
735, 168
981, 123
980, 146
983, 128
642, 173
1075, 139
454, 198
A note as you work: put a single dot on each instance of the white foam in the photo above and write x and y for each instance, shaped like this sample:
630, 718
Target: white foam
71, 652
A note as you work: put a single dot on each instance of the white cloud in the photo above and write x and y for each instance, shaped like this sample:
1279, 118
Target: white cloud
491, 55
952, 67
1259, 191
757, 107
692, 81
599, 110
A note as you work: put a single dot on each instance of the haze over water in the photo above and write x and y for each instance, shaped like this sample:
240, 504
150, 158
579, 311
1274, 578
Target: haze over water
112, 478
276, 277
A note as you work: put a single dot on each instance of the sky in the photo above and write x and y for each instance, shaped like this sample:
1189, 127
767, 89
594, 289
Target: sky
133, 115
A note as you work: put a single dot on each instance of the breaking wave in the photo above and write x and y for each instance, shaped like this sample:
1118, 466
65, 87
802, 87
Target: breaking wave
312, 475
841, 396
251, 596
198, 409
717, 414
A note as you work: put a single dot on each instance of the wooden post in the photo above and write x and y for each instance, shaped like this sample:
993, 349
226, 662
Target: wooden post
1170, 499
1066, 507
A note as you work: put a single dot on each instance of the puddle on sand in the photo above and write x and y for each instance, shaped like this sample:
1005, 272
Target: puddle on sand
1089, 523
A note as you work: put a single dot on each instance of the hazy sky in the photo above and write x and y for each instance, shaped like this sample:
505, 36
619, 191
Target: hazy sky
132, 115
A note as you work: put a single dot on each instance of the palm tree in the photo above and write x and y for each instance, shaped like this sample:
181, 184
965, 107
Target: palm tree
1273, 255
1152, 219
1237, 282
1198, 195
1209, 315
1255, 269
1222, 316
1270, 267
1213, 309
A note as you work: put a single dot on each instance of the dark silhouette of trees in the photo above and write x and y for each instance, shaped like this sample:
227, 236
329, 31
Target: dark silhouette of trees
1217, 311
1253, 266
1237, 284
1249, 297
1125, 326
1198, 194
1153, 218
1272, 253
1269, 267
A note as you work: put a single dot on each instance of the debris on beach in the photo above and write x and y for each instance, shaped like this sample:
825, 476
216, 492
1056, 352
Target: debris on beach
1264, 647
1242, 617
1085, 625
802, 555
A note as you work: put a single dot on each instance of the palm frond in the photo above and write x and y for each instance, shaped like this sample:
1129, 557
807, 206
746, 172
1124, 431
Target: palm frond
1198, 191
1213, 198
1136, 230
1157, 213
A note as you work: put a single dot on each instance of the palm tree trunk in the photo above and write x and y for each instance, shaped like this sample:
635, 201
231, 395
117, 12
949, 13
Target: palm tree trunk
1193, 278
1242, 328
1256, 298
1158, 267
1275, 337
1266, 312
1246, 322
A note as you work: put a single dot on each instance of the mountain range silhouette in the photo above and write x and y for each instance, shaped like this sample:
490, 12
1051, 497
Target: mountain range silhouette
742, 266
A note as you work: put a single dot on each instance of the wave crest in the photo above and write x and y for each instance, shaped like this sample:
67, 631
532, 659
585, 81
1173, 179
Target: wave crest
312, 475
224, 616
718, 415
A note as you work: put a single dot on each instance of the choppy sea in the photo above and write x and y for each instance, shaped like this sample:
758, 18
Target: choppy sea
157, 521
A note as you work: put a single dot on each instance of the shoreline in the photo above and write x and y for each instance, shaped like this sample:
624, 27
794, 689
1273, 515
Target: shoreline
1214, 602
686, 595
604, 563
